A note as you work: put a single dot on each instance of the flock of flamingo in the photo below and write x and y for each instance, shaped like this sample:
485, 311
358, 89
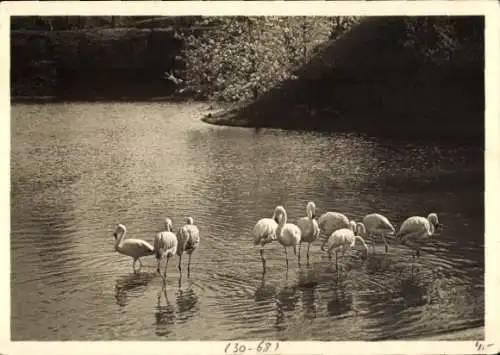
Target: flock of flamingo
339, 234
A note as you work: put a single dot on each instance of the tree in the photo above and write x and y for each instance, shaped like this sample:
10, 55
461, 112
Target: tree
239, 58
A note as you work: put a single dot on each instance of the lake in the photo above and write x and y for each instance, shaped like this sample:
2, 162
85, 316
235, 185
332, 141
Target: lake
79, 169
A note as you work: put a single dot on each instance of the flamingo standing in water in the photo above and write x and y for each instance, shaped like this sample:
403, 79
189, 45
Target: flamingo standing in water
344, 239
188, 240
165, 245
329, 222
135, 248
264, 233
378, 225
309, 227
416, 231
288, 233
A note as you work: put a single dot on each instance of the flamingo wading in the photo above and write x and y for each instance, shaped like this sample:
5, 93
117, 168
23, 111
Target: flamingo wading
135, 248
416, 231
264, 233
345, 239
378, 225
188, 239
309, 227
288, 233
165, 246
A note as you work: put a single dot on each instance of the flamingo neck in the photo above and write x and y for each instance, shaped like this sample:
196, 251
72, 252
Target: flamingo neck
119, 240
282, 223
357, 237
431, 228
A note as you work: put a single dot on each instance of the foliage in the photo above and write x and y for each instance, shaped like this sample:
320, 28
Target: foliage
239, 58
437, 39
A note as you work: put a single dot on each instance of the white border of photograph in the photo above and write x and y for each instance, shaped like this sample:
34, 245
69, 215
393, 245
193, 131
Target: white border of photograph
489, 9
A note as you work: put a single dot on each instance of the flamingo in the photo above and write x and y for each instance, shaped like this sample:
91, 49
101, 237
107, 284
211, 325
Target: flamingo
344, 239
309, 227
329, 222
135, 248
378, 225
416, 231
288, 233
264, 233
188, 240
165, 245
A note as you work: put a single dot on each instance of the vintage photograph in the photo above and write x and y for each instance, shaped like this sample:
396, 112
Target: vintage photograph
292, 178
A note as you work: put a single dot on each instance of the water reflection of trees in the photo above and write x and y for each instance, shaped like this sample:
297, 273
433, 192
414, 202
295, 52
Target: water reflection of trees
132, 284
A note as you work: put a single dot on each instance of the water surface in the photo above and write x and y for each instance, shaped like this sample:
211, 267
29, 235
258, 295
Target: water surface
79, 169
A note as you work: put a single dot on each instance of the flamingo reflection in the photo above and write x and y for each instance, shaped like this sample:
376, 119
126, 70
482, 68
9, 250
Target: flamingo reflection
133, 284
187, 303
286, 302
164, 315
308, 283
341, 302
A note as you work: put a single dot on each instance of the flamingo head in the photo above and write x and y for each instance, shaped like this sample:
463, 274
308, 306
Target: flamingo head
311, 209
168, 224
279, 213
120, 229
433, 218
189, 220
324, 244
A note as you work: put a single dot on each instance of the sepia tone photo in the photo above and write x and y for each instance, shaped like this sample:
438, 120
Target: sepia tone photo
291, 178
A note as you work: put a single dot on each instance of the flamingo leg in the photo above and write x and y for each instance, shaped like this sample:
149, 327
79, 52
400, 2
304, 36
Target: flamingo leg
336, 259
262, 259
300, 247
133, 265
385, 243
189, 264
286, 257
343, 255
308, 246
165, 271
330, 256
158, 264
179, 266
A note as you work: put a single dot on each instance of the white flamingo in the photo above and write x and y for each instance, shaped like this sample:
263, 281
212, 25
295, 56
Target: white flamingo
416, 230
135, 248
165, 245
344, 239
288, 233
329, 222
188, 240
264, 233
309, 227
378, 225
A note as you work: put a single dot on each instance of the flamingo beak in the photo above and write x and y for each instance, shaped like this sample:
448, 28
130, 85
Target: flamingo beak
314, 215
115, 235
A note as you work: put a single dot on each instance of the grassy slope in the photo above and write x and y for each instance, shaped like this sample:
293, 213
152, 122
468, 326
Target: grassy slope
365, 81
